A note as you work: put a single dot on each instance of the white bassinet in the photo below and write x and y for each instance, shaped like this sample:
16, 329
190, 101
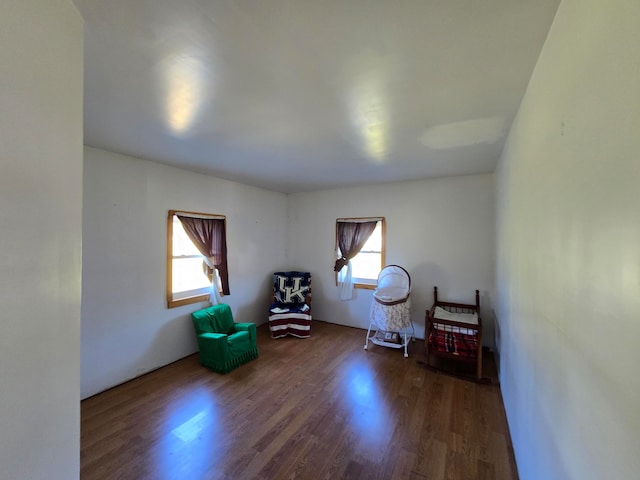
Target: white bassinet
390, 314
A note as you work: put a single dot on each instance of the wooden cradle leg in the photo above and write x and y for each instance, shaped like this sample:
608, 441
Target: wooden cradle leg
479, 366
426, 339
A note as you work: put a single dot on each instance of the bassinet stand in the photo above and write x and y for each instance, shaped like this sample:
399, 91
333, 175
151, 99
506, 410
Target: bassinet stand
378, 339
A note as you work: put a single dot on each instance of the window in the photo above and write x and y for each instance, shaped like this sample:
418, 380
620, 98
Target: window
368, 262
188, 275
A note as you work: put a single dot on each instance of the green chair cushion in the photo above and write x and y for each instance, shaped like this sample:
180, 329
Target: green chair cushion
239, 342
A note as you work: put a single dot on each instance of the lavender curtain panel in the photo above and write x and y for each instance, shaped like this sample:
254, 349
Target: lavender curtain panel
209, 237
351, 238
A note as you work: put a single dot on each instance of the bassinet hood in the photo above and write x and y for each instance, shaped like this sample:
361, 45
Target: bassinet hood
394, 276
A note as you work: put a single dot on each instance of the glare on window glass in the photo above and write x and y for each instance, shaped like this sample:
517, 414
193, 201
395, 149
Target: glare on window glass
182, 245
366, 265
187, 273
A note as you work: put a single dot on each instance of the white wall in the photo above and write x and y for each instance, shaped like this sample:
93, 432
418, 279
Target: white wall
127, 329
568, 242
442, 231
40, 244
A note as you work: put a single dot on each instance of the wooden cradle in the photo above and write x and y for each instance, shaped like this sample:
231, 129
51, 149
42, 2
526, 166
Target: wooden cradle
452, 334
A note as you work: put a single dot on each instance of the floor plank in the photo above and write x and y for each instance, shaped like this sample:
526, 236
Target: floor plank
315, 408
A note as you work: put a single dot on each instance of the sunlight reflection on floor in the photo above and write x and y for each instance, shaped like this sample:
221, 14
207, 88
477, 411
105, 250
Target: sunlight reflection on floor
369, 418
195, 427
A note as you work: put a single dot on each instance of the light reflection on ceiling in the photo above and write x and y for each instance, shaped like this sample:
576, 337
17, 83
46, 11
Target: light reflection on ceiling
465, 133
369, 116
301, 96
184, 81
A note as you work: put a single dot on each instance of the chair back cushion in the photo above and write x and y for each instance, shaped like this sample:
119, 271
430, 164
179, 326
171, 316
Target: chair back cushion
214, 319
291, 287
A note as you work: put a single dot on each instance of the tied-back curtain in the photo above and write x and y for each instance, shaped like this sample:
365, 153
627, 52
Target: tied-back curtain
209, 237
351, 238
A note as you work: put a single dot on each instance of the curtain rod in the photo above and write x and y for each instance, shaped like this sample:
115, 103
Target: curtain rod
197, 214
360, 219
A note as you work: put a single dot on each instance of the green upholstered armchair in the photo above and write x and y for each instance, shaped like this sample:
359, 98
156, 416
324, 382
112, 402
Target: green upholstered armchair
224, 344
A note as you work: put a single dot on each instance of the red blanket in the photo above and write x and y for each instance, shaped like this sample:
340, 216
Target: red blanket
454, 343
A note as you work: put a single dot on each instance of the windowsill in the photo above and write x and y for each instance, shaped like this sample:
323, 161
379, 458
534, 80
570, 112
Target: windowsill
363, 286
187, 300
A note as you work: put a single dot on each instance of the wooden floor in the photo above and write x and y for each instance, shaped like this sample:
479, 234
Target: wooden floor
315, 408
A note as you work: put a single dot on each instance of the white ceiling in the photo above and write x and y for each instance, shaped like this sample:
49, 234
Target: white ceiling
297, 95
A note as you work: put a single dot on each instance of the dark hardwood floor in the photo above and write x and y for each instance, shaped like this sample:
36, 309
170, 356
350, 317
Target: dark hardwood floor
311, 409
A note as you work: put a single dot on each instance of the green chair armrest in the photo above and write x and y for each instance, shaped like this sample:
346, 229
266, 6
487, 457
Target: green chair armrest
212, 337
247, 327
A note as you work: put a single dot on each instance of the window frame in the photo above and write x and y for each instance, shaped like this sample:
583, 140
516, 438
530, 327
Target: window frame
383, 246
200, 297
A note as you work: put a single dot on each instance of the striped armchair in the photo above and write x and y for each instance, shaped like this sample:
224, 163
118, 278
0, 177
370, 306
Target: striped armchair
290, 310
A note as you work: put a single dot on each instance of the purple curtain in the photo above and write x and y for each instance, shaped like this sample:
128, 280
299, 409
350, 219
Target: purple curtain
209, 236
351, 238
